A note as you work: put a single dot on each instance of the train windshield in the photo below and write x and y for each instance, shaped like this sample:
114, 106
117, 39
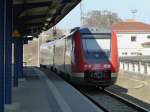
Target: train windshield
96, 46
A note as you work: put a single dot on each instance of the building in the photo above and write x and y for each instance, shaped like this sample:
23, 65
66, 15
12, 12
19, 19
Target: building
133, 38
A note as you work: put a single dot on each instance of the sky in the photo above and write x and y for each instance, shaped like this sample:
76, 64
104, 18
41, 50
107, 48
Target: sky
121, 7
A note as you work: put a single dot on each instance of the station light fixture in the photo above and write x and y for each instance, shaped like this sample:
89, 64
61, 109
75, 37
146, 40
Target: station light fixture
48, 19
46, 24
44, 28
29, 36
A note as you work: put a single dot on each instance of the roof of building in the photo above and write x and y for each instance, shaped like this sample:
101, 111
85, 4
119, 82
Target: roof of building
131, 26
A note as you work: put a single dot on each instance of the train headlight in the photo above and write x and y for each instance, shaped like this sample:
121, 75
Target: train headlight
88, 66
107, 66
85, 66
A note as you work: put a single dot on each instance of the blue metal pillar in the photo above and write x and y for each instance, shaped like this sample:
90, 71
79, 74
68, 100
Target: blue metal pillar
21, 58
1, 55
8, 51
18, 45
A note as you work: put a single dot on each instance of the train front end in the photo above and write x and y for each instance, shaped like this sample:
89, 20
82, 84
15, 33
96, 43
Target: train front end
98, 48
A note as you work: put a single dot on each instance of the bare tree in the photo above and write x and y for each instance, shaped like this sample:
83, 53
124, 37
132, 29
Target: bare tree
50, 34
102, 19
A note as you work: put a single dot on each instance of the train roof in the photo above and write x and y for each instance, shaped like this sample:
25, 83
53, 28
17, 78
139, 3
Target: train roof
82, 30
94, 30
89, 30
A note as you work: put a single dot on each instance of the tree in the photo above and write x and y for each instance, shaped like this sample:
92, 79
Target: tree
103, 19
49, 34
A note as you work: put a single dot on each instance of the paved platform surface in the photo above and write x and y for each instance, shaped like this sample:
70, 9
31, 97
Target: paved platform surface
39, 93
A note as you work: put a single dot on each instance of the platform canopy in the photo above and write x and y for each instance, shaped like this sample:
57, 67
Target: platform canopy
31, 17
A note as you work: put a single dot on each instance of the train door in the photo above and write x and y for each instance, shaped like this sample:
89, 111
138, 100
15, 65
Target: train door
53, 55
68, 55
73, 64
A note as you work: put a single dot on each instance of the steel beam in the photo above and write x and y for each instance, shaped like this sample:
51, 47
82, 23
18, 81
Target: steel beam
33, 5
37, 24
26, 18
8, 51
2, 55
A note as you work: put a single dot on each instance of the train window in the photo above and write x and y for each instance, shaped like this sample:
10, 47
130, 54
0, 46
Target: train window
69, 44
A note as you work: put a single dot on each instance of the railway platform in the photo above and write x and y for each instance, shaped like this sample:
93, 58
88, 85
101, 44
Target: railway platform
39, 92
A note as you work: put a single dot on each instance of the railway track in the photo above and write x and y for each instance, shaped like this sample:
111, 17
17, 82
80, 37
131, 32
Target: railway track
126, 101
111, 102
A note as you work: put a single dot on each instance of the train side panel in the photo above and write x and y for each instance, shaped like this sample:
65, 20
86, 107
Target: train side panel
68, 55
46, 54
59, 55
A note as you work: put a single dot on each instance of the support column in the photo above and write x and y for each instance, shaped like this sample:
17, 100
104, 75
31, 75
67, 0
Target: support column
1, 55
18, 55
8, 51
21, 59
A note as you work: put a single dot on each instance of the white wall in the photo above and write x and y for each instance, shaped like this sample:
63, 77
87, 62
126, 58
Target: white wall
132, 48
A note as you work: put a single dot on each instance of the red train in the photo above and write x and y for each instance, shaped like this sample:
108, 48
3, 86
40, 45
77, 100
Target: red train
85, 56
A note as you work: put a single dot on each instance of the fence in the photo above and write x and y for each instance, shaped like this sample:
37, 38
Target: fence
136, 64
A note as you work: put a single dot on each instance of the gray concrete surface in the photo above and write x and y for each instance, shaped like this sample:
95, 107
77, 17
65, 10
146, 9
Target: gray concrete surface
49, 95
136, 85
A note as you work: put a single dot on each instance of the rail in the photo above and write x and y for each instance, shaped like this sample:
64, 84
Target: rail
126, 101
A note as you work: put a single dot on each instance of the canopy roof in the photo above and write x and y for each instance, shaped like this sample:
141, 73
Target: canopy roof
32, 16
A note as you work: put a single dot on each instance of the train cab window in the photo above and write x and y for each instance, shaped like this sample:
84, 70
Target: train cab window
96, 46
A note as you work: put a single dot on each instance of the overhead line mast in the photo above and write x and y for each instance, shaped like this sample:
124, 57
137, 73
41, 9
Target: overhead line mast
81, 14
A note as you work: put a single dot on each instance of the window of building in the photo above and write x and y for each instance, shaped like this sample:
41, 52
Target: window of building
133, 38
148, 37
139, 54
145, 69
133, 53
124, 53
